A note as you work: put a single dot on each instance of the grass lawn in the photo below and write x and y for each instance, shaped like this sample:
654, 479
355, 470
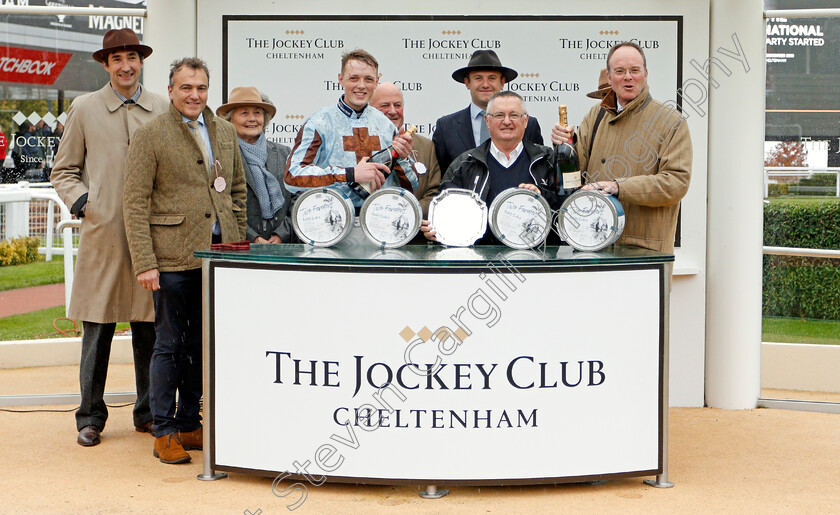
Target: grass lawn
37, 273
801, 200
39, 324
797, 330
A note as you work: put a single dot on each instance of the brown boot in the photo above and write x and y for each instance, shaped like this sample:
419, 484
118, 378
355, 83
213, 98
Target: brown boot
192, 440
169, 449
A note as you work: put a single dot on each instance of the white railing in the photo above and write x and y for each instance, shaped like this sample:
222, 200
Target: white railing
17, 201
793, 251
802, 13
801, 172
72, 11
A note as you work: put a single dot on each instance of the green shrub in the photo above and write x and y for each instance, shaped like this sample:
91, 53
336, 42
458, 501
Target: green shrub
804, 224
18, 251
778, 190
812, 191
801, 287
797, 286
819, 179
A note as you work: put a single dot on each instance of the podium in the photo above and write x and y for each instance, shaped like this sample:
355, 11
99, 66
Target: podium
436, 366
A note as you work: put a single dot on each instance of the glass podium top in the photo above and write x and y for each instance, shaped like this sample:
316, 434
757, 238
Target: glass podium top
432, 256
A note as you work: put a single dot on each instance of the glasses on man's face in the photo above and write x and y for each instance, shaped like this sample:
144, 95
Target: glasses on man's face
514, 117
621, 72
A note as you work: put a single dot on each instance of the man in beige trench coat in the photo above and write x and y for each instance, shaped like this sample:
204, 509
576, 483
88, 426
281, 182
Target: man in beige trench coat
88, 176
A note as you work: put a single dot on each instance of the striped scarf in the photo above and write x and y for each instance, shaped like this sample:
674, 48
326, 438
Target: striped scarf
266, 186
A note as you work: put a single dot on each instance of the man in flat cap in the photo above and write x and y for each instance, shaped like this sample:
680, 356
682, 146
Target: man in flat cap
88, 176
463, 130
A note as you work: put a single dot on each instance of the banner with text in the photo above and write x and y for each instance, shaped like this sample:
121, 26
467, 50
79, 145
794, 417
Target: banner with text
24, 65
296, 60
466, 378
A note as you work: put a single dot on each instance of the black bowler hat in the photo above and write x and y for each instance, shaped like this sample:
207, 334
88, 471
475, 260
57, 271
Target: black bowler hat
484, 60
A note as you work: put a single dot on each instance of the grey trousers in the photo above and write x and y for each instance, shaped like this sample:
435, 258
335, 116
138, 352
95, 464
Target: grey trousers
93, 371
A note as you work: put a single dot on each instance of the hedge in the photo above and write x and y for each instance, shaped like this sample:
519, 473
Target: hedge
18, 251
797, 286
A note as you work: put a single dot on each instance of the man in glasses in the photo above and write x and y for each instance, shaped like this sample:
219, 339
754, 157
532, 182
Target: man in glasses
506, 160
637, 149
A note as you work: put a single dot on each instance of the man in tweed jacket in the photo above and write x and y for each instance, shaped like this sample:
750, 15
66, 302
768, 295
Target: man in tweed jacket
640, 151
184, 188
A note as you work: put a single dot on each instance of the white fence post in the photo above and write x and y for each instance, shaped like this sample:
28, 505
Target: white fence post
16, 200
17, 213
66, 226
50, 226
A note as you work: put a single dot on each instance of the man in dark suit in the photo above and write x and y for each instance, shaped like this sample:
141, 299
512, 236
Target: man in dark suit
484, 76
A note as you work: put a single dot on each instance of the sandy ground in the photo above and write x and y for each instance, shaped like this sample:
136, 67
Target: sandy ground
752, 461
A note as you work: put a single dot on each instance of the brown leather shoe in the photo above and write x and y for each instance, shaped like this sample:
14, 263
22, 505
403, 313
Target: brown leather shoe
170, 450
88, 436
145, 428
192, 440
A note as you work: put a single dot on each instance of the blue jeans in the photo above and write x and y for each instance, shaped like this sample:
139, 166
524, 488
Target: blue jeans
176, 360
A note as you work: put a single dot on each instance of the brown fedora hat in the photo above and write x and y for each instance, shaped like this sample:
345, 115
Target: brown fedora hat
484, 60
603, 86
118, 40
246, 96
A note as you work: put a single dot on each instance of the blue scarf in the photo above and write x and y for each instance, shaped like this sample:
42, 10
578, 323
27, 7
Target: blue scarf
266, 186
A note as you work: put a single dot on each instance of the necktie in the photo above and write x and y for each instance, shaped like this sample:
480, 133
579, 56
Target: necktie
204, 154
483, 133
200, 141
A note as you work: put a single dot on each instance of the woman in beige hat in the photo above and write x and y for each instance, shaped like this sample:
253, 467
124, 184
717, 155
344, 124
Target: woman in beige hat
268, 201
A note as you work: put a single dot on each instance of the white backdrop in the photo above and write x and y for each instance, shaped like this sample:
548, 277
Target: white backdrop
196, 28
296, 61
608, 423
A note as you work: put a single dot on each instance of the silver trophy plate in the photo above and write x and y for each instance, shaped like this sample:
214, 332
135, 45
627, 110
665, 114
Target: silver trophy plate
590, 220
322, 217
520, 218
391, 217
458, 216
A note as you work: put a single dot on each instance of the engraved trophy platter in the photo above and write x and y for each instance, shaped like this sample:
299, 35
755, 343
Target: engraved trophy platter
590, 220
459, 217
520, 218
322, 217
390, 217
